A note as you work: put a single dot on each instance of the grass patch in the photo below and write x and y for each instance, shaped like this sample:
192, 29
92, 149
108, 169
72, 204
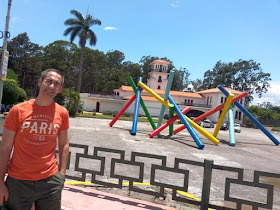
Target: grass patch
276, 129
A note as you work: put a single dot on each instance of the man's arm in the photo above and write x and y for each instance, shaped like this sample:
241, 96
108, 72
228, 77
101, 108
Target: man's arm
5, 153
63, 150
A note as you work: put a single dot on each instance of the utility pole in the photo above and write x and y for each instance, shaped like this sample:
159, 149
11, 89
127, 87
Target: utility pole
6, 34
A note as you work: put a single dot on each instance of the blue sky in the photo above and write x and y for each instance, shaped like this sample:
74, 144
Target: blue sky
194, 34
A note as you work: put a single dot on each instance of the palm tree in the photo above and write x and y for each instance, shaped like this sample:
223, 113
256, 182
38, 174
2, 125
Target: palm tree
80, 26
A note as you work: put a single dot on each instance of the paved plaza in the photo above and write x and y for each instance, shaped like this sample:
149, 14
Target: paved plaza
253, 151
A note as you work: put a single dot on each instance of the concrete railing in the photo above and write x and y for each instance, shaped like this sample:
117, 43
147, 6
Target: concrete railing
105, 165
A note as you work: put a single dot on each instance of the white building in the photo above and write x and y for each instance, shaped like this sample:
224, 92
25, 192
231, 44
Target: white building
199, 102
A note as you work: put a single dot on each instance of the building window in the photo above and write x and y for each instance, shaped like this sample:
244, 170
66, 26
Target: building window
188, 102
191, 102
159, 79
241, 100
118, 93
222, 100
158, 87
220, 113
210, 99
207, 100
236, 114
239, 116
185, 101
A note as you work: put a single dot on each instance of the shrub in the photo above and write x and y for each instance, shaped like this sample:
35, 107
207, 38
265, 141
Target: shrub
126, 115
21, 95
10, 92
73, 100
115, 113
107, 113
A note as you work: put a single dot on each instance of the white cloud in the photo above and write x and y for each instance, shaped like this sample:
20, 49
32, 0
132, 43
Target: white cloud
110, 28
175, 4
272, 95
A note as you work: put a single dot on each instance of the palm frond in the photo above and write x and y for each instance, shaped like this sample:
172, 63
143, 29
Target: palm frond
94, 22
74, 33
78, 15
73, 21
92, 38
68, 30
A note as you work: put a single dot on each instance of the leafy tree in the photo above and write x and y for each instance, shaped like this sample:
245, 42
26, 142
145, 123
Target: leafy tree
12, 75
64, 56
266, 116
95, 65
241, 75
22, 96
145, 66
114, 58
10, 92
80, 26
181, 79
197, 85
73, 101
133, 69
26, 60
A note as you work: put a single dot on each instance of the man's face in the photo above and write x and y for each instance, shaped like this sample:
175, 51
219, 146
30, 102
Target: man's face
51, 85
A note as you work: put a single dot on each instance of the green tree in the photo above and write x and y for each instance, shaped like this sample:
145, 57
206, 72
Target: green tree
22, 96
181, 79
12, 75
145, 66
241, 75
80, 26
26, 60
64, 56
10, 92
114, 58
73, 101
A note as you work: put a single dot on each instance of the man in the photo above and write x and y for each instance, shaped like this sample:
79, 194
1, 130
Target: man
32, 129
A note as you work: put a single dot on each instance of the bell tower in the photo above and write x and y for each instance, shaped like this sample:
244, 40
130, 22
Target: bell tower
158, 74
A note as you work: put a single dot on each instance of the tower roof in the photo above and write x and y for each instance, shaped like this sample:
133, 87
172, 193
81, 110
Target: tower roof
160, 62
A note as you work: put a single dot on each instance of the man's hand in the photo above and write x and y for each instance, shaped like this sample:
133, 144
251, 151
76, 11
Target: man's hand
4, 193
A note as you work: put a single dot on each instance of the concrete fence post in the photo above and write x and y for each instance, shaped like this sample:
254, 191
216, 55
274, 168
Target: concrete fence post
208, 166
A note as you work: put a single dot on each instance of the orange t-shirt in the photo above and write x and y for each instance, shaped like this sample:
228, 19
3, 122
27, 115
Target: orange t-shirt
36, 130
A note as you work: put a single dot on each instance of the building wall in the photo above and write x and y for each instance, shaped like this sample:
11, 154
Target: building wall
153, 80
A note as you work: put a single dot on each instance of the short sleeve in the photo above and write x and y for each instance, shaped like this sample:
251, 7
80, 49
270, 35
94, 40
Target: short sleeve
12, 119
65, 120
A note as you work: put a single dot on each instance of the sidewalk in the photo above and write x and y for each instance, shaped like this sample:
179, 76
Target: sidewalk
74, 198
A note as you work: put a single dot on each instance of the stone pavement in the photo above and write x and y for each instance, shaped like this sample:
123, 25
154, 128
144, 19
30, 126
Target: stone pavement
253, 151
74, 198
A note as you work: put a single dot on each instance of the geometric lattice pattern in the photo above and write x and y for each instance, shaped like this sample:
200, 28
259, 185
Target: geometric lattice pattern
116, 159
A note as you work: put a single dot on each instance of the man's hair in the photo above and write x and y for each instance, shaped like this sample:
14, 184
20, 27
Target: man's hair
45, 72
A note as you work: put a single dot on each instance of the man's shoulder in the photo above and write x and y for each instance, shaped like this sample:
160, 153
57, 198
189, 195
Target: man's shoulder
24, 104
60, 108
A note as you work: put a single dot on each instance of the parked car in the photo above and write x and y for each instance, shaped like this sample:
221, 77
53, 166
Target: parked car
207, 124
237, 128
224, 126
192, 118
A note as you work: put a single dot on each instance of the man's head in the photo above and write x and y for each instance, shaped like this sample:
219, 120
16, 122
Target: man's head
50, 83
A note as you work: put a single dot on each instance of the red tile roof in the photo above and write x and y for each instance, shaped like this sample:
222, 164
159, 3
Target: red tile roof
160, 61
162, 92
146, 98
217, 90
